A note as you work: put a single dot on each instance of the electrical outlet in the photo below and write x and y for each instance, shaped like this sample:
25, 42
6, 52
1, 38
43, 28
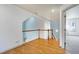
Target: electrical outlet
17, 41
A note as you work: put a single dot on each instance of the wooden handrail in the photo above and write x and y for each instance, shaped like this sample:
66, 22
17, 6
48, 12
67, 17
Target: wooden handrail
38, 30
41, 30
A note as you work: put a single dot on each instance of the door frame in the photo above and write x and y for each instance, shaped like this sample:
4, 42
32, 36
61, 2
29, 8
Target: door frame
63, 25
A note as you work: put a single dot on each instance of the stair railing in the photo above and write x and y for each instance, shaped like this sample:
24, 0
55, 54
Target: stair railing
39, 30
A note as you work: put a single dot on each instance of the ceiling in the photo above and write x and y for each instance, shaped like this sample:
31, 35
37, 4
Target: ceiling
43, 9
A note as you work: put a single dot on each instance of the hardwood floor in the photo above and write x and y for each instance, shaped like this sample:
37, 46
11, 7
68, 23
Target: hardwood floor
38, 46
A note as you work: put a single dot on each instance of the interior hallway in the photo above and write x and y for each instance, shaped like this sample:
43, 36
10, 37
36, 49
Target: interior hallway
38, 46
17, 18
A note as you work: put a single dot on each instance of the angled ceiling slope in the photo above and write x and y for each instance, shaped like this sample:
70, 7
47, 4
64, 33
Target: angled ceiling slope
43, 9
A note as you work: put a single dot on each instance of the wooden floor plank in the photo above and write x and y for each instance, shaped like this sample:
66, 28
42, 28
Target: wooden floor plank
38, 46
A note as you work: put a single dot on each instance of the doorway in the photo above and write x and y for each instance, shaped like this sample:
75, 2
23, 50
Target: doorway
72, 30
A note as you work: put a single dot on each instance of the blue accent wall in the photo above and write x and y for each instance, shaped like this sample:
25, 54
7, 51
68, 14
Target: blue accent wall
30, 24
55, 25
33, 23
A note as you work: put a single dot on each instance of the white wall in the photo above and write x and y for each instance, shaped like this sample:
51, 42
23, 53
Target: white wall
11, 18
